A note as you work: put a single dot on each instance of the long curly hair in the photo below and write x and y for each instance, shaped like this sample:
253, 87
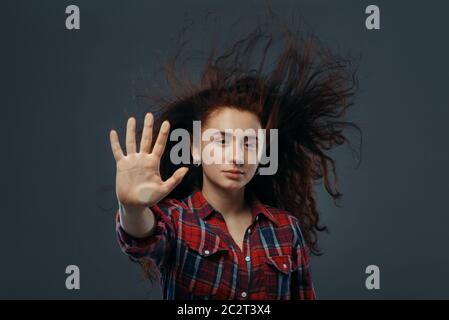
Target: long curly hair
305, 94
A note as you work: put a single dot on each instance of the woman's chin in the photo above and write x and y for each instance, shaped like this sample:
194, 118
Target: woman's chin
231, 185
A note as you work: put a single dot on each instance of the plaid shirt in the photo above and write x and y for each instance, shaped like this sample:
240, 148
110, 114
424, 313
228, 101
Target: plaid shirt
197, 258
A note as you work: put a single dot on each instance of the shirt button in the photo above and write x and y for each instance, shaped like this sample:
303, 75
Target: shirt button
244, 294
247, 258
257, 217
249, 230
206, 252
285, 266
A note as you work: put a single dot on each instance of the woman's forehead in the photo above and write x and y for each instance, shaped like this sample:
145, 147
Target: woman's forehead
232, 118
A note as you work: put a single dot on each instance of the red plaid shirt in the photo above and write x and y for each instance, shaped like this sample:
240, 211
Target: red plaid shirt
197, 258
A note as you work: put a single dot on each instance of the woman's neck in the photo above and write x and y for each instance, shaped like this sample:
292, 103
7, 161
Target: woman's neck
228, 203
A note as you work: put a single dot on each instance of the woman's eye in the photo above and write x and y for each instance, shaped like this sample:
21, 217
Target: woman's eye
223, 142
250, 145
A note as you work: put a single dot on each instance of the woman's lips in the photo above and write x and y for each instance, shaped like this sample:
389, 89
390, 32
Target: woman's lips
233, 174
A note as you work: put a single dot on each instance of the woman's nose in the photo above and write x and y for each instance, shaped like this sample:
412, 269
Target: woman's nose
238, 154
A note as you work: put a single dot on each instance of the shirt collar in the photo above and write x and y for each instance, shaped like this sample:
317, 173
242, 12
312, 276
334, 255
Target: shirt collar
205, 209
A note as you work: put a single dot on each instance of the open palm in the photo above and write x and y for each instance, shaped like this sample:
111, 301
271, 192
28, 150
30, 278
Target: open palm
138, 180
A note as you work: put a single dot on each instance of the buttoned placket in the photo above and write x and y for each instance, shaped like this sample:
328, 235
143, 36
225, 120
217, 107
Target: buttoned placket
247, 258
243, 258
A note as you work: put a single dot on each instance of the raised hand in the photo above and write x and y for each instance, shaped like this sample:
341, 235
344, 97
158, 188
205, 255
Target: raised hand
138, 180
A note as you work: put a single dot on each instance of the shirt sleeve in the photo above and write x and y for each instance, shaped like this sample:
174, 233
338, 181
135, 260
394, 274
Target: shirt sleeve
302, 287
157, 246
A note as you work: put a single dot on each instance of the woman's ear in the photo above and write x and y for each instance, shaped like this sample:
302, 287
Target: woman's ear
195, 147
196, 154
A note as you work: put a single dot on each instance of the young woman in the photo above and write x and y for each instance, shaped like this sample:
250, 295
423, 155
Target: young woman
220, 230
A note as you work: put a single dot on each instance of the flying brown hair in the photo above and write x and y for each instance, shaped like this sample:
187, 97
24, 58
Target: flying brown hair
305, 94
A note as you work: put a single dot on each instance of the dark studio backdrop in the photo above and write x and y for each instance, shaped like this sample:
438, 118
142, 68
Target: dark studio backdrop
63, 90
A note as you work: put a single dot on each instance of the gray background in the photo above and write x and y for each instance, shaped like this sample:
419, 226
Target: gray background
62, 91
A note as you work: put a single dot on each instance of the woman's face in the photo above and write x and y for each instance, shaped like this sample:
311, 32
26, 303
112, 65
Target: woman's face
231, 135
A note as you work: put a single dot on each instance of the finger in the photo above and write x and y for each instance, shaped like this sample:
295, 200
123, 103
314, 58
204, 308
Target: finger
147, 134
159, 146
131, 136
115, 145
175, 179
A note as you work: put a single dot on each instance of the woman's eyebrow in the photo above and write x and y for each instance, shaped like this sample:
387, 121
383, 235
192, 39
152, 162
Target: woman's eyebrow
230, 135
226, 134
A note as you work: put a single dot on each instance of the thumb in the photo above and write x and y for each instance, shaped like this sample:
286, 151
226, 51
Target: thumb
175, 179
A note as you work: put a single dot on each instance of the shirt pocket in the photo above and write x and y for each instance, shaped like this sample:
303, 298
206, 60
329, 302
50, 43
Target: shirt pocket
277, 276
203, 264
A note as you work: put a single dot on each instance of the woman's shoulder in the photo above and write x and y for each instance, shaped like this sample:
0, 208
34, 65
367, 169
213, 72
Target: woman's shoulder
287, 223
282, 216
184, 203
173, 203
